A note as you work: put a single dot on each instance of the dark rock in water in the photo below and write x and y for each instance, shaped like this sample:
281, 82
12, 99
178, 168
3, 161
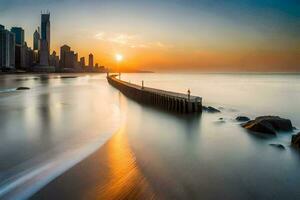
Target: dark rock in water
269, 124
261, 127
210, 109
242, 118
68, 77
23, 88
221, 118
279, 146
296, 140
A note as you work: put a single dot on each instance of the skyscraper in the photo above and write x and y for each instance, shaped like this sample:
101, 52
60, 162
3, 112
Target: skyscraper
36, 40
20, 48
45, 28
45, 39
19, 33
7, 48
91, 60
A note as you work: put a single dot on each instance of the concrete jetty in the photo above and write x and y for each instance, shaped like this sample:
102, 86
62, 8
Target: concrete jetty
171, 101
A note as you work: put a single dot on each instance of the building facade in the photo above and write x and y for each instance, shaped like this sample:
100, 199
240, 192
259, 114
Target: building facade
19, 34
91, 60
82, 62
7, 49
45, 39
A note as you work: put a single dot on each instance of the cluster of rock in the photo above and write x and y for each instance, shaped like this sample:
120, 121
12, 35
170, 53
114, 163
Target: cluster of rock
264, 124
269, 124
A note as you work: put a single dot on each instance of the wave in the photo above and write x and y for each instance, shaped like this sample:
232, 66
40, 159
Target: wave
25, 181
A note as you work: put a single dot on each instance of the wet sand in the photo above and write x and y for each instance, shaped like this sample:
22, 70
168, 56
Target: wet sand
109, 173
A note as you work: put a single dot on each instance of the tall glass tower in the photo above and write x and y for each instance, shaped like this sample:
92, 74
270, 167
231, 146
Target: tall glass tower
45, 26
45, 39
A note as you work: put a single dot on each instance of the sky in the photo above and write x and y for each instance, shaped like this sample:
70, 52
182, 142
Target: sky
170, 35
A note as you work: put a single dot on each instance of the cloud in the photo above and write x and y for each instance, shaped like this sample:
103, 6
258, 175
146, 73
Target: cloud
123, 39
162, 45
132, 41
100, 36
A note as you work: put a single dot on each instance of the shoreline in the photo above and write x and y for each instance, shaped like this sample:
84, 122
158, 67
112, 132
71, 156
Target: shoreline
101, 175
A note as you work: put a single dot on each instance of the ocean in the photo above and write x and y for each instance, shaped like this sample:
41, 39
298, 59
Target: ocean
60, 121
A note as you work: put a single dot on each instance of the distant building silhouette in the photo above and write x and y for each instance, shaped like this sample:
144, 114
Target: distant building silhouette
91, 60
68, 58
82, 62
54, 60
19, 34
7, 49
63, 52
36, 40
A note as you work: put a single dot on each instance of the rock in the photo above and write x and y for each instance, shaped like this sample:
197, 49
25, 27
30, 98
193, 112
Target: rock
279, 146
23, 88
210, 109
242, 118
296, 140
68, 77
221, 118
269, 124
261, 127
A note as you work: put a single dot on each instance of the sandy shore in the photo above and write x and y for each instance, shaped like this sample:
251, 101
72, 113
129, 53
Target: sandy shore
109, 173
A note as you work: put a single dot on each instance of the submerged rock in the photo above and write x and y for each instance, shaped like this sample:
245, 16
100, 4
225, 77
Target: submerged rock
23, 88
242, 118
268, 124
279, 146
210, 109
296, 140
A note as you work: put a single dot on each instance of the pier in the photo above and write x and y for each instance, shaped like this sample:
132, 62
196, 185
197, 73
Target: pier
170, 101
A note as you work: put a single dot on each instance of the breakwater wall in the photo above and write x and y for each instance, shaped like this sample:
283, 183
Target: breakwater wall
171, 101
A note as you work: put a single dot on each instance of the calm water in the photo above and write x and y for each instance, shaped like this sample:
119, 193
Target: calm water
57, 123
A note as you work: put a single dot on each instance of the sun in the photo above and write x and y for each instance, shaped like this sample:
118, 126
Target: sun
119, 57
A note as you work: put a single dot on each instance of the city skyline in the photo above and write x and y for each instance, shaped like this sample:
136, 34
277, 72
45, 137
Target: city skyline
16, 55
194, 35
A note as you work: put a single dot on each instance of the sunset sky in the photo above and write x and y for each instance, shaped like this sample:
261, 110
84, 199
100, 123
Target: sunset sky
170, 35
